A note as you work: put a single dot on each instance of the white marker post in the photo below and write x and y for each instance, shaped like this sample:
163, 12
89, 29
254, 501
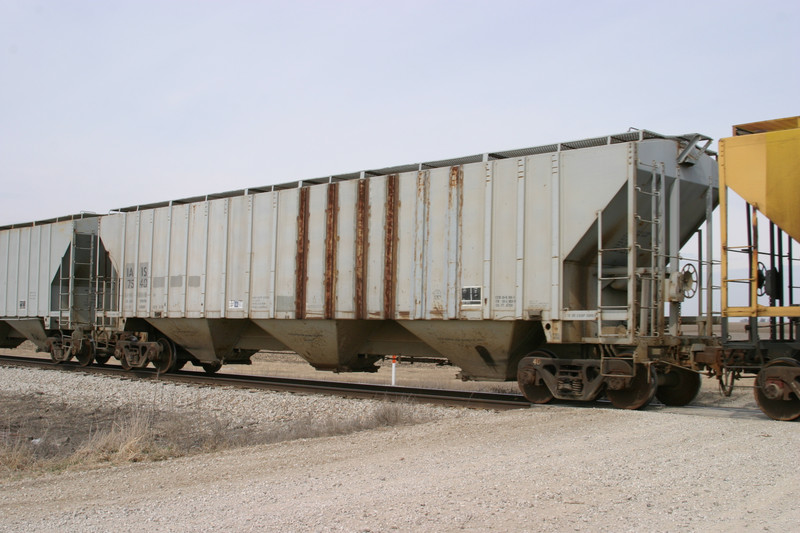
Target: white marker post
394, 370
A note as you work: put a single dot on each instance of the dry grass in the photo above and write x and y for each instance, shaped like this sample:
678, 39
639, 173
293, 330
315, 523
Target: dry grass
15, 456
38, 437
386, 414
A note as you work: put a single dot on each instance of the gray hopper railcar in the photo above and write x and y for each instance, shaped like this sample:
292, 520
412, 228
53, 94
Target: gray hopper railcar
567, 254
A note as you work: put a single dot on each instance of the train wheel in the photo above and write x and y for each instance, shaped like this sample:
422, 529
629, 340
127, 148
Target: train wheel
680, 387
776, 409
180, 363
85, 355
102, 359
526, 377
168, 358
639, 394
124, 363
211, 368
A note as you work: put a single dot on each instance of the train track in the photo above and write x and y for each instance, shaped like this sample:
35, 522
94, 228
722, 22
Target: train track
454, 398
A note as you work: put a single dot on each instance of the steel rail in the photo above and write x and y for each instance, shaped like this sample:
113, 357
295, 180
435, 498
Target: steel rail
456, 398
449, 397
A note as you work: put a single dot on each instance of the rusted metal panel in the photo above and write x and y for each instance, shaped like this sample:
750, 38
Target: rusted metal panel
390, 246
362, 242
301, 257
331, 238
421, 244
455, 199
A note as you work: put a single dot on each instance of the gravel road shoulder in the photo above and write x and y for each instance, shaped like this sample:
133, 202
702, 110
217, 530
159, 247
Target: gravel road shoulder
547, 468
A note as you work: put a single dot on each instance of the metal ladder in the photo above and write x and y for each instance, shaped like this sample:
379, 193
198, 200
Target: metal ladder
648, 301
81, 263
65, 292
651, 299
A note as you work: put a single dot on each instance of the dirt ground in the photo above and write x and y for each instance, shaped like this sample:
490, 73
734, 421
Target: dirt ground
547, 468
28, 417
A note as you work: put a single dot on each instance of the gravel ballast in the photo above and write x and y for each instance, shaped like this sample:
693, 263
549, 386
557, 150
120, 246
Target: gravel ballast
547, 468
237, 407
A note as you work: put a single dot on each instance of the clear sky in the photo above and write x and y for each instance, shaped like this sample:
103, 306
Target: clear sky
105, 104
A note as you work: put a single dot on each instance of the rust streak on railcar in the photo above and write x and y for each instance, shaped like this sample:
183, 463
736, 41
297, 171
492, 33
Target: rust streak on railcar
455, 200
331, 245
362, 236
390, 247
301, 263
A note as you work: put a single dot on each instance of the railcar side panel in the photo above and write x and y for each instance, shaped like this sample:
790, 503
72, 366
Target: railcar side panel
144, 263
262, 273
178, 255
5, 275
315, 258
239, 244
287, 226
12, 273
31, 259
376, 246
159, 269
216, 260
130, 256
41, 272
196, 260
348, 269
538, 235
505, 227
408, 277
436, 247
590, 178
471, 290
